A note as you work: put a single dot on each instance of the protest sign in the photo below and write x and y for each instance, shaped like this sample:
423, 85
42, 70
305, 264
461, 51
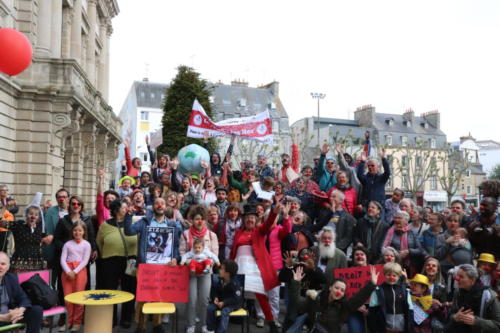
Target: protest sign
257, 127
357, 277
162, 283
156, 139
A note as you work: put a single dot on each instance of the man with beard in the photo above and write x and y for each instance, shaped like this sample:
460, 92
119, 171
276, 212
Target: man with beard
290, 166
484, 233
338, 219
263, 169
148, 227
330, 257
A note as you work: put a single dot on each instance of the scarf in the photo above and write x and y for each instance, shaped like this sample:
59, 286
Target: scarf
371, 225
195, 233
424, 301
404, 239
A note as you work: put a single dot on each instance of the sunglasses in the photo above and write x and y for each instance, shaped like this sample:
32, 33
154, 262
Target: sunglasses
76, 204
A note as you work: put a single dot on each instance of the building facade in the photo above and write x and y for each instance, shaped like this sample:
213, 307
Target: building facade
56, 125
142, 113
489, 154
412, 143
468, 186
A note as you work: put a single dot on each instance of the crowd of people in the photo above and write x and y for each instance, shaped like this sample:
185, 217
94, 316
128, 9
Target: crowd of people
268, 240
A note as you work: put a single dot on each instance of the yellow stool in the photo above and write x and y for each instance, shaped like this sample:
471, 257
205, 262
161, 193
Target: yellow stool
161, 308
239, 313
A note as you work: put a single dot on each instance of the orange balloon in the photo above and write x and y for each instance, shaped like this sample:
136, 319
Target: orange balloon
15, 51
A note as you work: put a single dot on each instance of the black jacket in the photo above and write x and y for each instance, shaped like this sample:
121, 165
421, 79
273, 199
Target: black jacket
378, 232
373, 185
343, 230
377, 315
63, 232
17, 296
230, 293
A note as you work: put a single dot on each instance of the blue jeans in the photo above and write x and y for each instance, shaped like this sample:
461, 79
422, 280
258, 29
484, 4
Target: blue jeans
356, 323
223, 319
297, 324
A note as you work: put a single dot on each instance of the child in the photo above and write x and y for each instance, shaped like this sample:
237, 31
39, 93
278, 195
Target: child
200, 258
125, 184
485, 266
423, 307
460, 239
74, 259
391, 308
226, 296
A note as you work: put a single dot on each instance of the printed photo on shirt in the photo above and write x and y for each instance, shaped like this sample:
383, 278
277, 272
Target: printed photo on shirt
160, 249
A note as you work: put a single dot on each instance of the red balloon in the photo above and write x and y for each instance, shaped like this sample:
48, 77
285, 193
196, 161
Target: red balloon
15, 51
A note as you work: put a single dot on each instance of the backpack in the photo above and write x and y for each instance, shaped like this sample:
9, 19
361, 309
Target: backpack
39, 292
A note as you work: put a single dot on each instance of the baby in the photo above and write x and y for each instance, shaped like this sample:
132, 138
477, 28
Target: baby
200, 258
460, 238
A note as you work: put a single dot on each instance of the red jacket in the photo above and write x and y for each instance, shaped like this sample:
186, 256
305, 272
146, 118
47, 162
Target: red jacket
262, 257
350, 201
131, 171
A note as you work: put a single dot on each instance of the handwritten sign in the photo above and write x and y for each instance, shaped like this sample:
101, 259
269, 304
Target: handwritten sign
161, 283
357, 277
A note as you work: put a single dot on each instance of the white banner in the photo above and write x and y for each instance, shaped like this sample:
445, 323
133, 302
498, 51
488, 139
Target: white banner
257, 127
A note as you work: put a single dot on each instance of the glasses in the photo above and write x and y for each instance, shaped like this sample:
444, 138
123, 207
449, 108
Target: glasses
330, 163
62, 197
76, 204
371, 165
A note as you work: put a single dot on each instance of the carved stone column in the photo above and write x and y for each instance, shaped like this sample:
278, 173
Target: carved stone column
43, 30
102, 84
66, 32
56, 29
76, 31
92, 15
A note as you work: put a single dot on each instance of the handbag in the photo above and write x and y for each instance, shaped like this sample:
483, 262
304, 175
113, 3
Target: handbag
131, 267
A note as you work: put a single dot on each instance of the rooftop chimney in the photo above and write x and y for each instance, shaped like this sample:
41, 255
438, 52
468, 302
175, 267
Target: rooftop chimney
239, 82
433, 118
365, 115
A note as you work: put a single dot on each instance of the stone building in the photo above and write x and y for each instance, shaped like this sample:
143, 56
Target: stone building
56, 126
410, 140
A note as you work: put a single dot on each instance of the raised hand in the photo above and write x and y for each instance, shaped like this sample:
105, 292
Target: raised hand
205, 136
204, 164
174, 163
374, 274
288, 259
298, 274
363, 157
382, 153
325, 149
278, 208
286, 209
339, 148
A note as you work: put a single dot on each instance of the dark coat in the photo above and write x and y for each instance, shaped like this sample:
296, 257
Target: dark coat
377, 314
373, 185
344, 229
230, 293
378, 232
63, 232
17, 296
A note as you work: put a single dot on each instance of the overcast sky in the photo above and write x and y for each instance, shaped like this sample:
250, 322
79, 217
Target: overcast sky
425, 55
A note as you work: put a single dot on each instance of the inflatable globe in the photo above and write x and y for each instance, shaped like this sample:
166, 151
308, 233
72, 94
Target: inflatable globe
189, 159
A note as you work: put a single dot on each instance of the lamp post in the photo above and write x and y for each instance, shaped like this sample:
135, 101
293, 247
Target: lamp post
318, 96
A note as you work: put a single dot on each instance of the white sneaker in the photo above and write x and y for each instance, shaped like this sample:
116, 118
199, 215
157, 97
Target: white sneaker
191, 329
204, 330
277, 323
260, 323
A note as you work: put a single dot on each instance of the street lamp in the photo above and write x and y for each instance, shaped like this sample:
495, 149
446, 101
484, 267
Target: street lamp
318, 96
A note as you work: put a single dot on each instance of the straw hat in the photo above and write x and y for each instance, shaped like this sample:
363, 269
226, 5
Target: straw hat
132, 180
420, 278
487, 257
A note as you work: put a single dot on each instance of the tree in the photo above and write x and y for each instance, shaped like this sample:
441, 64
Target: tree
495, 173
453, 165
181, 93
249, 150
416, 164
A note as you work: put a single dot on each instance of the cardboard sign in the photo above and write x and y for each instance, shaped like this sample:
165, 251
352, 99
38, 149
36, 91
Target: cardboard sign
161, 283
357, 277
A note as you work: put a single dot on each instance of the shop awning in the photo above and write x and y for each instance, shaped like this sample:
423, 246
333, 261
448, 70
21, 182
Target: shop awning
435, 196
